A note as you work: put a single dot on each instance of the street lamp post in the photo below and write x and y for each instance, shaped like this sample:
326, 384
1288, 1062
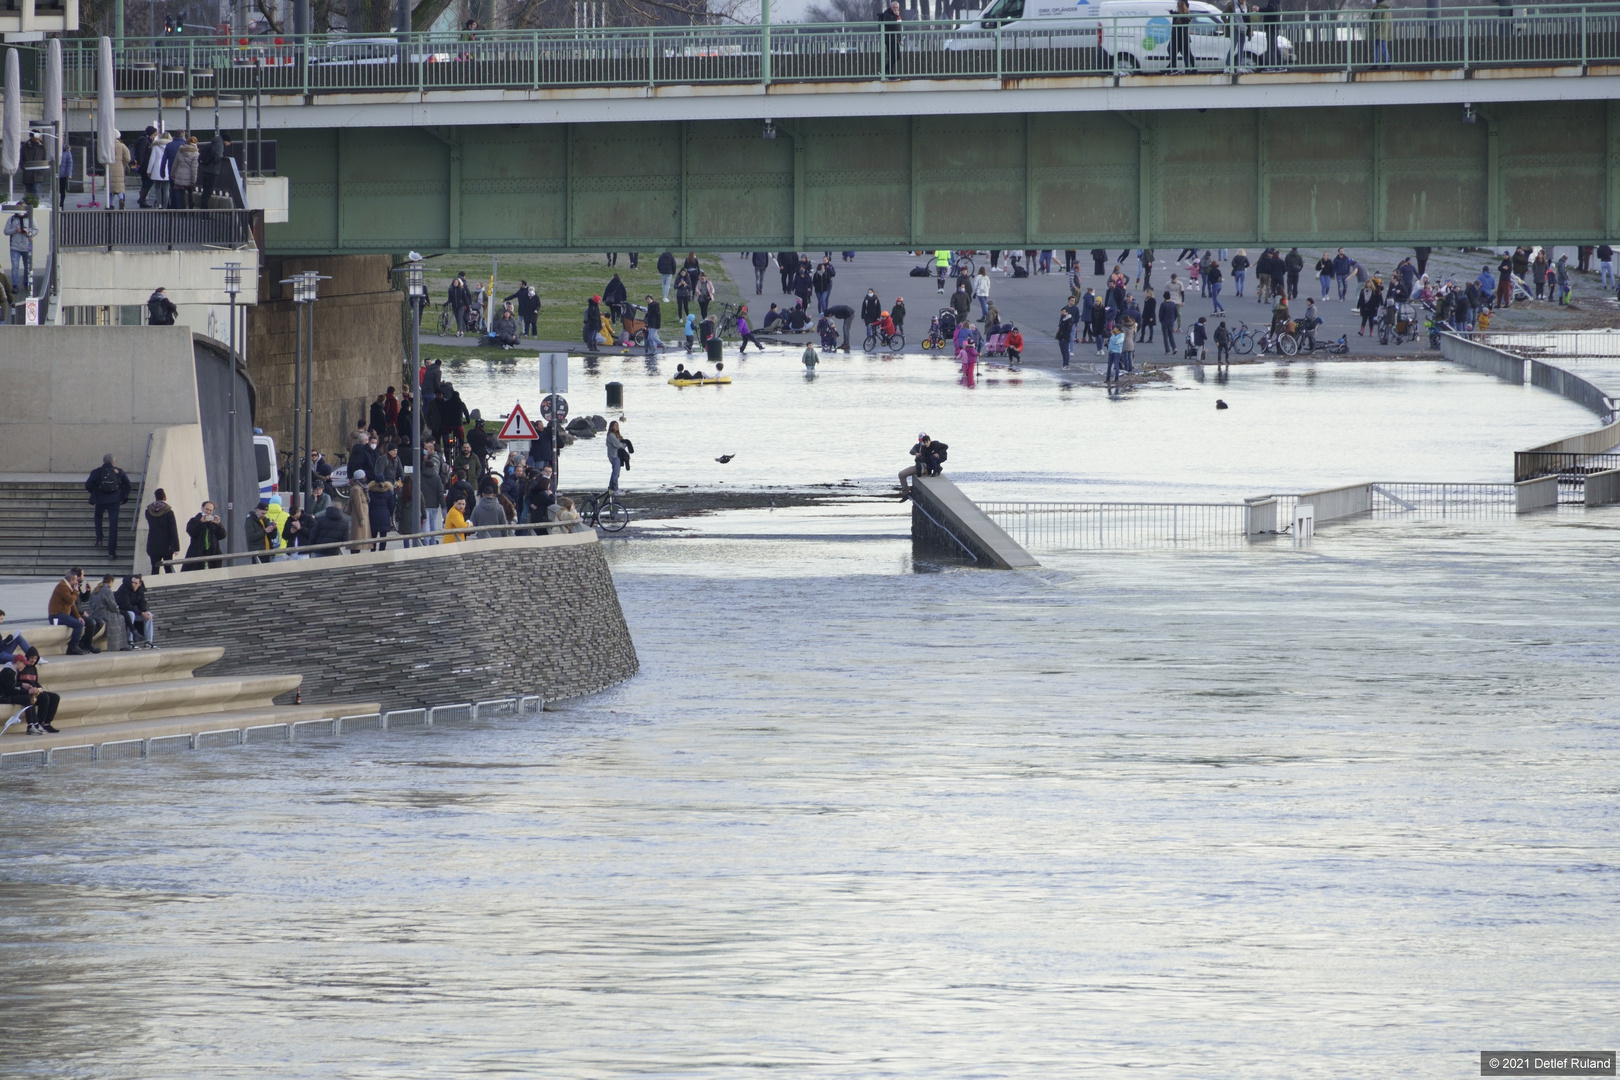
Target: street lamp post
416, 296
233, 286
306, 290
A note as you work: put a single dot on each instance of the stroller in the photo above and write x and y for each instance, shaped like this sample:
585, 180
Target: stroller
1398, 320
996, 344
941, 330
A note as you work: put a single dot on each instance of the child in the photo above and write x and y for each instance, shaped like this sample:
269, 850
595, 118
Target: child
1223, 343
1015, 347
1200, 336
689, 326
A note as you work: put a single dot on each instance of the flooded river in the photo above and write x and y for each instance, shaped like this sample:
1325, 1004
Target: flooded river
1346, 810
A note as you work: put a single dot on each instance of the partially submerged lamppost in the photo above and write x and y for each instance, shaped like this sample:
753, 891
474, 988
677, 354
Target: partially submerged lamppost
416, 296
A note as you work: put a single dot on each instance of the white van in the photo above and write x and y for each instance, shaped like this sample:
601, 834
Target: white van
1129, 34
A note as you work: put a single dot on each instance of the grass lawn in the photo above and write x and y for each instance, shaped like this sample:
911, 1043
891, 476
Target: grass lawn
565, 282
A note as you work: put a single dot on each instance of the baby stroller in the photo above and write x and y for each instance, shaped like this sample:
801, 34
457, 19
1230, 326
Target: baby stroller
941, 330
1397, 321
996, 344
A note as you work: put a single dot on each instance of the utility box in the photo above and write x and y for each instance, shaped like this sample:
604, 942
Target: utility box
615, 395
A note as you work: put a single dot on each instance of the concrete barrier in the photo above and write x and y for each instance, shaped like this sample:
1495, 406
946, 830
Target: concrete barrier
946, 523
1603, 488
1340, 502
1540, 494
411, 627
1504, 365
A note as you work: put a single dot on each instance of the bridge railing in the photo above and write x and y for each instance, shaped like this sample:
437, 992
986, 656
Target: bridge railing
163, 229
1460, 39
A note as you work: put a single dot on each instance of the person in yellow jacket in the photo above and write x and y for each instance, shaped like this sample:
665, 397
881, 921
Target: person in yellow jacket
455, 519
942, 266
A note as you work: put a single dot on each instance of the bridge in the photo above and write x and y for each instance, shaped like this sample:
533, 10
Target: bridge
1480, 127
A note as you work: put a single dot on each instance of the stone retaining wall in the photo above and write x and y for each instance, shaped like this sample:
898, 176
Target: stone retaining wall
413, 627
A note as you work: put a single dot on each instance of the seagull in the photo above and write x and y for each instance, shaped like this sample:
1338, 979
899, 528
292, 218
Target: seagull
1219, 404
723, 458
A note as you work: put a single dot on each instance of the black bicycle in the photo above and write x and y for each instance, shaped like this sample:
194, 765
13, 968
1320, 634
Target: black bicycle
604, 511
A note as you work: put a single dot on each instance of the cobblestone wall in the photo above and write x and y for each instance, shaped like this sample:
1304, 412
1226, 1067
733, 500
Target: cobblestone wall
424, 626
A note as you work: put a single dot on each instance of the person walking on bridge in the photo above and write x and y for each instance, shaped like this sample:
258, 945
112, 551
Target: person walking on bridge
762, 263
891, 19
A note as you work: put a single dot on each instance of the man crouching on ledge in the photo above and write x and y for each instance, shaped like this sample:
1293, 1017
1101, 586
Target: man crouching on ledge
927, 458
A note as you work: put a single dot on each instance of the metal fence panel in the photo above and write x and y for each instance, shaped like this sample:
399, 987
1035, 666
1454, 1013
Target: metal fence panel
162, 229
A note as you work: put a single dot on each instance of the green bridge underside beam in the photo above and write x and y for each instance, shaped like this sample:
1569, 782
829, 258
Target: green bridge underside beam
1542, 172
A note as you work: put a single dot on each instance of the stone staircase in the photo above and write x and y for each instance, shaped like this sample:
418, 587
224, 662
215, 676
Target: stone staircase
47, 526
150, 693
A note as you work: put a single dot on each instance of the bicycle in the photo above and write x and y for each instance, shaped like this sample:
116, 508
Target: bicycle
893, 342
604, 511
727, 319
1243, 339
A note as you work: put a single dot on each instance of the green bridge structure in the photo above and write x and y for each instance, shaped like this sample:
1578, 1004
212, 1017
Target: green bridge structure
1480, 126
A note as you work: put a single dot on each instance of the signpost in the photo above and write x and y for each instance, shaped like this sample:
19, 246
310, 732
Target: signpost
518, 427
554, 382
554, 408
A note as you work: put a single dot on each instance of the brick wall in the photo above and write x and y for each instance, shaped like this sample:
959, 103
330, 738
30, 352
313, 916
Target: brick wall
415, 627
359, 348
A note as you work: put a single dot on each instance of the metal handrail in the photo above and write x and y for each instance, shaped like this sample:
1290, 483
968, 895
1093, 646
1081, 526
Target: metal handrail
1329, 41
361, 546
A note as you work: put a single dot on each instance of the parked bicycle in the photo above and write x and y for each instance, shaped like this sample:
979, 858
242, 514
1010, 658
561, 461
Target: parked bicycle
603, 511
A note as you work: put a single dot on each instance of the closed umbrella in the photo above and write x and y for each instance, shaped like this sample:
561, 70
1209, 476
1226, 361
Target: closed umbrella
11, 124
106, 89
53, 85
106, 134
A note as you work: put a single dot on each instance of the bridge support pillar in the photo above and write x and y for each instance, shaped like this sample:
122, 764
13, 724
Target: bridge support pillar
357, 350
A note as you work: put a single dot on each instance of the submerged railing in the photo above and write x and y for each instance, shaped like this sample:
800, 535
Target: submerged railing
1459, 39
1058, 526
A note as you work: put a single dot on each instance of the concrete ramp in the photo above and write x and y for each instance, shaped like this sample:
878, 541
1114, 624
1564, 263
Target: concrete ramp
947, 524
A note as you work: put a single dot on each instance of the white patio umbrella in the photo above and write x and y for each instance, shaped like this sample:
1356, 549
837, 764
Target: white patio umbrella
106, 134
53, 85
12, 123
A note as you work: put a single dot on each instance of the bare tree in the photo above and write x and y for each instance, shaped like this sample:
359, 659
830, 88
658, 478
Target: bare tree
831, 11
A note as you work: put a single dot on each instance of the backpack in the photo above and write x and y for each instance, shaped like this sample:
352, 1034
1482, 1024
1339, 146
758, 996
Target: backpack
108, 484
1020, 272
920, 271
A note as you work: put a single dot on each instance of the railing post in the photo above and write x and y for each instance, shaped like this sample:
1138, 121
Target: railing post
1465, 39
651, 73
1583, 39
536, 61
303, 74
998, 53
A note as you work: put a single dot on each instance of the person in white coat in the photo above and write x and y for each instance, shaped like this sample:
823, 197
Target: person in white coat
981, 293
157, 169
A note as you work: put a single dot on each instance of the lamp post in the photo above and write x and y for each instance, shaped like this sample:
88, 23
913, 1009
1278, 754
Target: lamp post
416, 296
306, 290
233, 286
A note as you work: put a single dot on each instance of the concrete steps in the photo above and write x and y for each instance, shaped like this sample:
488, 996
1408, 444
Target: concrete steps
151, 693
230, 720
48, 525
64, 673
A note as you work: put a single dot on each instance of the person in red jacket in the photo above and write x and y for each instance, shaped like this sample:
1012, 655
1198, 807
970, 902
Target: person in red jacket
1015, 347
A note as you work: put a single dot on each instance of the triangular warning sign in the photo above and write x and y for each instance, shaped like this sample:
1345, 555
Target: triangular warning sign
517, 427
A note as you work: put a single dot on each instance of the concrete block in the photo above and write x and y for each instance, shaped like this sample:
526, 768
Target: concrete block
1539, 494
1603, 488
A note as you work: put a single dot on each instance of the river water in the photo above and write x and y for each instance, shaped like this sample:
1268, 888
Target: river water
1343, 810
1289, 427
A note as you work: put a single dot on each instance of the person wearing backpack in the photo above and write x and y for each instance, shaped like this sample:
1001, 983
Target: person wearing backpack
109, 490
